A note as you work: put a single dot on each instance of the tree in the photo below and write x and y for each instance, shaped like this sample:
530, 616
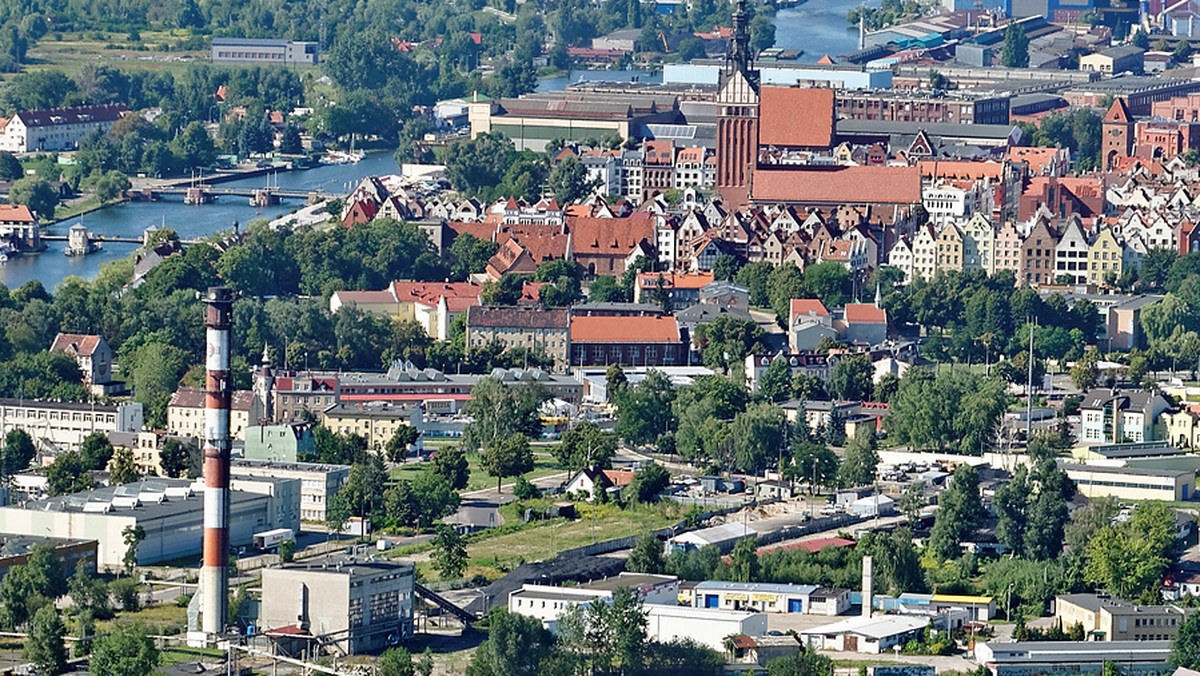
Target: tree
1015, 53
290, 143
648, 482
775, 384
617, 630
397, 446
1140, 40
124, 468
516, 645
96, 451
851, 378
67, 475
828, 281
499, 411
451, 463
615, 381
1185, 647
812, 463
175, 458
584, 446
743, 560
449, 553
912, 501
1084, 373
132, 537
858, 467
287, 551
569, 181
1129, 558
395, 662
18, 451
959, 513
690, 48
758, 434
507, 456
10, 167
44, 647
127, 650
35, 193
804, 663
644, 410
111, 185
646, 555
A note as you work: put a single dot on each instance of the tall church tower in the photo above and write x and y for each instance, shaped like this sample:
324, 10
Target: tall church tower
737, 117
1117, 130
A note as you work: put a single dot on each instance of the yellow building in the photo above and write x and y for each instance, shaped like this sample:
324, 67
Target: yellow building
950, 248
1105, 255
1183, 428
979, 245
376, 421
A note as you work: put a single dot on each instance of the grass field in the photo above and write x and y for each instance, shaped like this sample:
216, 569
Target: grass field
596, 523
543, 465
156, 617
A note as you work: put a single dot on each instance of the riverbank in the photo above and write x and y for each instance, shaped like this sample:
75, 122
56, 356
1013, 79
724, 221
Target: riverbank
79, 207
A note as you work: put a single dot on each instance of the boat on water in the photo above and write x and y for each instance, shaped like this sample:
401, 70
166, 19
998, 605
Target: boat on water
339, 157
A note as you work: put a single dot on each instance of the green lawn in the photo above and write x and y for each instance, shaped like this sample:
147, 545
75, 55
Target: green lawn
543, 465
596, 524
156, 617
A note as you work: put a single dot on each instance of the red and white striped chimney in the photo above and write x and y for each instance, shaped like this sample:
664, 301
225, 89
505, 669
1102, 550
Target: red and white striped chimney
214, 576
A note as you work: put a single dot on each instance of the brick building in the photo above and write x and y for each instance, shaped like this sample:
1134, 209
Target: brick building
629, 341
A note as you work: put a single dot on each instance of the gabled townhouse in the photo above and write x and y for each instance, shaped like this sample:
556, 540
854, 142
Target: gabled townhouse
924, 252
1071, 254
901, 258
1038, 255
1105, 256
950, 248
979, 245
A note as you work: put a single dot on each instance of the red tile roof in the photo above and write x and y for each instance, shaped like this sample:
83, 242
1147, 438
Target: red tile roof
609, 236
659, 152
804, 306
619, 477
459, 295
961, 169
653, 329
649, 280
794, 116
865, 313
15, 214
75, 343
838, 185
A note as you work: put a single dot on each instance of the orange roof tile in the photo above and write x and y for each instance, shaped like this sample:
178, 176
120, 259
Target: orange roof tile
838, 185
459, 295
793, 116
652, 329
609, 236
961, 169
865, 313
672, 280
806, 306
75, 343
15, 213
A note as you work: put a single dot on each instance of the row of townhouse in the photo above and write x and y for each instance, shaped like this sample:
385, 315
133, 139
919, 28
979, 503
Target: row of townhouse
642, 172
1043, 251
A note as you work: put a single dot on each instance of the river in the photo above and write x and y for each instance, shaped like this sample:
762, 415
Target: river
818, 27
131, 218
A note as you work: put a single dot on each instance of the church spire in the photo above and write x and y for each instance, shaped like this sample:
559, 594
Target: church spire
739, 48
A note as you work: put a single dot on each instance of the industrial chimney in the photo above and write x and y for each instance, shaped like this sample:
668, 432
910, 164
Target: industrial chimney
214, 576
868, 585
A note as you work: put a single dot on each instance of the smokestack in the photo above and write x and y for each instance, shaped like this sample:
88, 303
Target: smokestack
868, 586
214, 576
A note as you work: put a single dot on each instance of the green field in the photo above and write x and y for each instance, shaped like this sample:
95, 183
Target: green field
543, 465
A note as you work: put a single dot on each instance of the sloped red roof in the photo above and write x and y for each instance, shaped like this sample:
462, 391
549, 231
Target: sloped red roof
652, 329
10, 213
961, 169
671, 280
1118, 112
609, 236
484, 231
75, 343
619, 477
804, 306
459, 295
795, 116
838, 185
865, 313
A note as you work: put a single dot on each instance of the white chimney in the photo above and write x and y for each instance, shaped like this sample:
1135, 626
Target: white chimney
868, 586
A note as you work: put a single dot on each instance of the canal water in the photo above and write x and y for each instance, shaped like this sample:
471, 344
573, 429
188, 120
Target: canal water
132, 218
817, 26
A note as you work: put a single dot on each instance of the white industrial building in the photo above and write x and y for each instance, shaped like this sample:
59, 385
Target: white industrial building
318, 482
866, 634
171, 511
547, 602
767, 597
706, 626
723, 537
64, 425
873, 505
1018, 658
